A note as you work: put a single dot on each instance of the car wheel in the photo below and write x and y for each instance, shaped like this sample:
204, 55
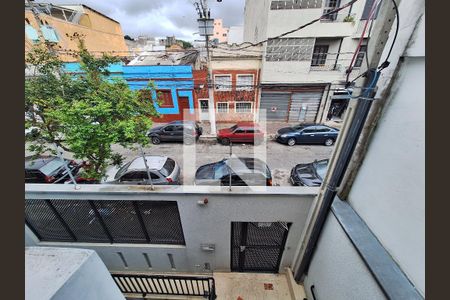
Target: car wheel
155, 140
188, 140
329, 142
225, 141
291, 142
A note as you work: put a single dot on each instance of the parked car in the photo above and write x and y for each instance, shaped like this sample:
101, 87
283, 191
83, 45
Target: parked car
310, 174
307, 134
176, 131
245, 171
49, 169
163, 170
243, 132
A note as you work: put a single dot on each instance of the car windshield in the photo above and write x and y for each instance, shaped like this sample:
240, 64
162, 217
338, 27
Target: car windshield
52, 166
233, 127
220, 170
122, 170
321, 168
298, 127
168, 167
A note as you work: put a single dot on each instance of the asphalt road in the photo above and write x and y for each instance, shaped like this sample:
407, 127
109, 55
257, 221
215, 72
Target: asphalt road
280, 158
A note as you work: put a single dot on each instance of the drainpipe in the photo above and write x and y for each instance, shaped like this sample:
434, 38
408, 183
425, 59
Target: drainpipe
337, 56
348, 143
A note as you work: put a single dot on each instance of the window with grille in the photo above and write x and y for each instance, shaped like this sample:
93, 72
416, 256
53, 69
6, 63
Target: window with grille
330, 5
289, 49
244, 82
360, 57
319, 56
222, 107
295, 4
222, 82
105, 221
243, 107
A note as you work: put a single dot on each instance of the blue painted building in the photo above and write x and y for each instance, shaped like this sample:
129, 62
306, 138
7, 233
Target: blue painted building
175, 84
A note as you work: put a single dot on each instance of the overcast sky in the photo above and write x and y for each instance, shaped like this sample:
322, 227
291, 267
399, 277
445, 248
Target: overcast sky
159, 18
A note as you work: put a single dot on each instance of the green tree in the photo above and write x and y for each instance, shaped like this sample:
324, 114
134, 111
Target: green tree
84, 114
185, 44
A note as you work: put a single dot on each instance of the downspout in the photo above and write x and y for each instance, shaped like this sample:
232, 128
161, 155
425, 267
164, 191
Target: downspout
348, 142
337, 56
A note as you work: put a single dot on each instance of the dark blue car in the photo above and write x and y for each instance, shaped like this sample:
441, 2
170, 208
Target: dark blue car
307, 134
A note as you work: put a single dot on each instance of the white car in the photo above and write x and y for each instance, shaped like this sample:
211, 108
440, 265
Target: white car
163, 170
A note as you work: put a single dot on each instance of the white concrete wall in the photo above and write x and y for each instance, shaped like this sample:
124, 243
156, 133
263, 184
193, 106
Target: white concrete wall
337, 271
236, 35
389, 190
255, 20
67, 274
209, 224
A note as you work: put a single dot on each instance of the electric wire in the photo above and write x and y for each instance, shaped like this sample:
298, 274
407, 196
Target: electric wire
385, 64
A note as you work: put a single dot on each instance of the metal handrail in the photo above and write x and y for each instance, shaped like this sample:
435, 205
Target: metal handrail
175, 285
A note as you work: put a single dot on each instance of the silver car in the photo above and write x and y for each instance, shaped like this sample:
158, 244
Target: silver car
163, 170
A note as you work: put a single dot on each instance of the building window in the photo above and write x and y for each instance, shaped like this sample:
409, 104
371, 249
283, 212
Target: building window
367, 8
31, 33
360, 57
319, 57
224, 34
289, 49
295, 4
244, 82
165, 98
222, 82
329, 6
222, 107
243, 107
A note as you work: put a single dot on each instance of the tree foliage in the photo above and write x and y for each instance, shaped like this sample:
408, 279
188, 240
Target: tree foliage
84, 114
185, 44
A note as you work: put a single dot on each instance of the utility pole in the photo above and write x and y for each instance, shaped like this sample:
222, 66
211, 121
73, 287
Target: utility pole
206, 27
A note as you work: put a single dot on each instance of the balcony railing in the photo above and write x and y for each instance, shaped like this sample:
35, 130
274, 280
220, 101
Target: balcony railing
171, 285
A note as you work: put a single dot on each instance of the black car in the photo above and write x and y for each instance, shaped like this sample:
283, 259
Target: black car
176, 131
307, 134
244, 171
311, 174
48, 169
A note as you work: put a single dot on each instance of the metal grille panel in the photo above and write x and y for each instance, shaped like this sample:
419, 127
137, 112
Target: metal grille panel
257, 246
160, 228
42, 219
257, 259
146, 222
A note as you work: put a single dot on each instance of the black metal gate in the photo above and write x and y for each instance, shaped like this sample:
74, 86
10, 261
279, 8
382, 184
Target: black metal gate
257, 246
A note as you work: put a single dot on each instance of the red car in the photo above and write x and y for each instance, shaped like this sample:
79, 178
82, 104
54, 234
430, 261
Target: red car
243, 132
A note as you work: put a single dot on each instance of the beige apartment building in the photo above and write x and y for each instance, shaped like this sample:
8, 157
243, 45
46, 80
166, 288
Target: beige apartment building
57, 24
220, 32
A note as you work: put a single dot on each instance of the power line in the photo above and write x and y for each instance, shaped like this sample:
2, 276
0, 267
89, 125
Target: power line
300, 27
385, 64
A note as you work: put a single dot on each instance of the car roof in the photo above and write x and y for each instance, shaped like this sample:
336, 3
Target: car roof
246, 164
33, 163
154, 162
248, 123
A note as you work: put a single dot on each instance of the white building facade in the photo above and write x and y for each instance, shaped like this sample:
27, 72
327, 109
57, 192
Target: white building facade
302, 72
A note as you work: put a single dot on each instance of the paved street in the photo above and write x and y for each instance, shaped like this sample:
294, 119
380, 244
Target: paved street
280, 158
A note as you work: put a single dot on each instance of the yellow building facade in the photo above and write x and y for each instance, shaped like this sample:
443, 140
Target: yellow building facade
58, 24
